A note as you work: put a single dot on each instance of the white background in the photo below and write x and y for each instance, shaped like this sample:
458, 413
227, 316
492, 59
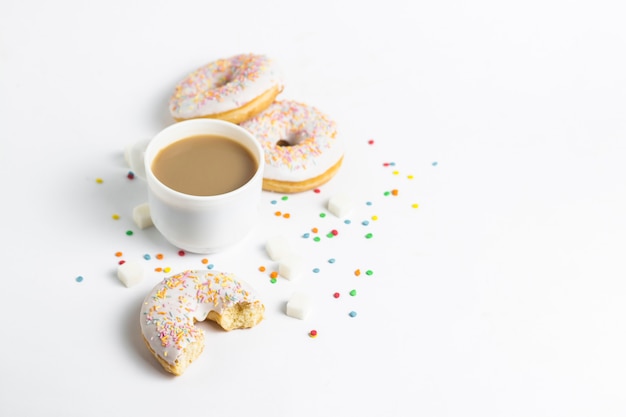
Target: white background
502, 294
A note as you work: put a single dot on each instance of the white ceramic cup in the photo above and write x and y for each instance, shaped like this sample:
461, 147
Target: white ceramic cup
200, 224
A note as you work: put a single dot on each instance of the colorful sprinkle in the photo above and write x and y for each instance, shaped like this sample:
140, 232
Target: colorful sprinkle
317, 239
370, 142
285, 198
115, 217
369, 203
273, 280
317, 190
369, 236
79, 278
410, 176
331, 261
435, 163
147, 257
357, 272
322, 215
99, 180
316, 270
352, 314
273, 201
210, 266
130, 175
204, 261
306, 235
286, 215
262, 268
129, 233
167, 269
394, 192
369, 272
273, 274
347, 221
181, 253
353, 293
159, 256
313, 334
277, 213
314, 230
365, 222
374, 218
118, 254
336, 295
395, 172
122, 262
415, 205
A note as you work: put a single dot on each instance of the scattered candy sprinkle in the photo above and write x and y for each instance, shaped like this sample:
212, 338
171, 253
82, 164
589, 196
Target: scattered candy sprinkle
130, 175
316, 270
79, 278
395, 172
352, 314
317, 191
278, 214
262, 268
331, 261
369, 203
394, 192
374, 218
347, 221
210, 266
336, 295
353, 293
365, 222
129, 233
322, 215
159, 256
284, 198
435, 163
181, 253
357, 272
122, 262
167, 269
317, 239
99, 180
415, 205
273, 274
286, 215
369, 236
306, 235
158, 269
313, 334
410, 176
204, 261
369, 272
118, 254
147, 257
386, 193
115, 217
329, 235
370, 142
273, 201
273, 280
314, 230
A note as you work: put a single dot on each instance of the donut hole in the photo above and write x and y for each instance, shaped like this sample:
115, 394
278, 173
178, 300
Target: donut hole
292, 138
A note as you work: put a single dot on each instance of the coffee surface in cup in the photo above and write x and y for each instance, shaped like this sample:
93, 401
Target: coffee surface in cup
204, 165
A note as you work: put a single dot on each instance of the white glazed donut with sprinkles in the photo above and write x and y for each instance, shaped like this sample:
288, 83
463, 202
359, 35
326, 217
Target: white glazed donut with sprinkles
302, 150
232, 89
170, 311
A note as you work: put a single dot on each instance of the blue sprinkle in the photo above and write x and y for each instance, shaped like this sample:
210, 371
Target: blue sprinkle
274, 201
393, 164
79, 278
347, 221
369, 203
435, 163
352, 314
316, 270
331, 261
146, 257
306, 235
365, 222
210, 266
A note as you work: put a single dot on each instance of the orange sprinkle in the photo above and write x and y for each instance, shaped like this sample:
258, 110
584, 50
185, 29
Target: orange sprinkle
278, 213
159, 256
314, 230
205, 261
274, 274
357, 272
118, 254
286, 215
158, 269
394, 192
262, 268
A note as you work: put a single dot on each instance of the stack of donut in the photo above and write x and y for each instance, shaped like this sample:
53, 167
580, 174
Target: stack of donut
302, 150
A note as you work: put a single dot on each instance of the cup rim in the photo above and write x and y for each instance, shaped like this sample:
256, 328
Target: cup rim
150, 153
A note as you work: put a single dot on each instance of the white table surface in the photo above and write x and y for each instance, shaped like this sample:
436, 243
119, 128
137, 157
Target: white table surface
502, 294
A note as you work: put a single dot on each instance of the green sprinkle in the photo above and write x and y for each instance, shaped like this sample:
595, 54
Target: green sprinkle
322, 215
353, 293
317, 238
273, 280
329, 235
387, 193
284, 198
129, 233
369, 236
369, 272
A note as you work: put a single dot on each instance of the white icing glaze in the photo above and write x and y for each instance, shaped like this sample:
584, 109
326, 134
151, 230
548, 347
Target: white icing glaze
223, 85
173, 306
312, 135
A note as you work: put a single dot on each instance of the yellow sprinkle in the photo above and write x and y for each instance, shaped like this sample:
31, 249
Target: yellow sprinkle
415, 205
374, 218
116, 217
410, 177
167, 269
99, 180
396, 172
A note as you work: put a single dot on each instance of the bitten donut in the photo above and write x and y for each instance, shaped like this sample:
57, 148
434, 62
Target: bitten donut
302, 150
232, 89
170, 311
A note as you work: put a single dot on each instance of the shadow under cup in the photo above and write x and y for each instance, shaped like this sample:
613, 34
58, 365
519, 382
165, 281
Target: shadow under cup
204, 224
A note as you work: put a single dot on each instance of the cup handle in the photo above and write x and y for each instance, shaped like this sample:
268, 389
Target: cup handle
134, 156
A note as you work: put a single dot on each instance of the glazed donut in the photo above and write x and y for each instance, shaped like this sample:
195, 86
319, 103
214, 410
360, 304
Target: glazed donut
301, 147
170, 311
232, 89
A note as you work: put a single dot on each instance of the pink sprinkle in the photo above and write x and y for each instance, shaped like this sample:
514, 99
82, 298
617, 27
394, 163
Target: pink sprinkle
371, 141
336, 295
317, 190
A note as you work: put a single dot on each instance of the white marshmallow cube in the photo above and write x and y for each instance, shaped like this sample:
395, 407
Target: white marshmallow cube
130, 273
299, 306
141, 216
340, 205
290, 267
277, 247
